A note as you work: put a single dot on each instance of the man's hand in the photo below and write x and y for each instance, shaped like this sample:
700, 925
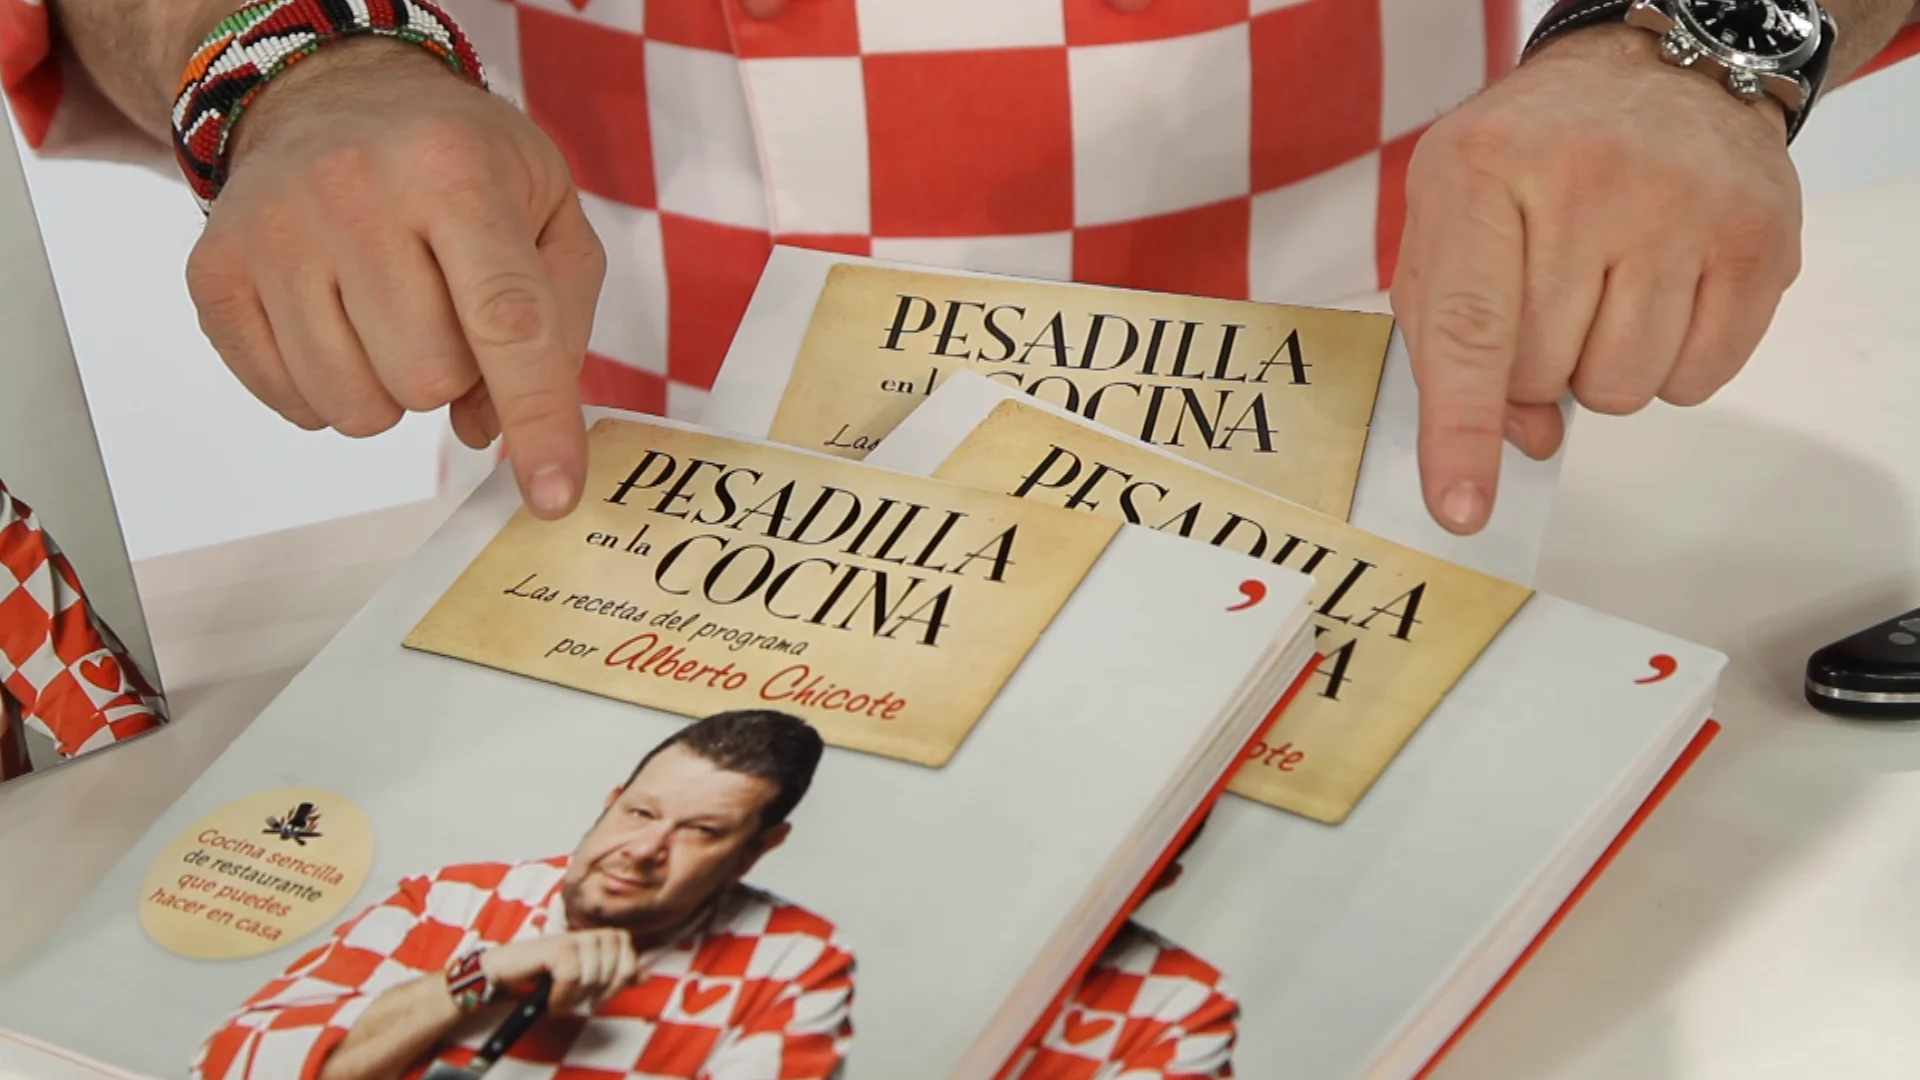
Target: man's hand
392, 238
586, 965
1597, 223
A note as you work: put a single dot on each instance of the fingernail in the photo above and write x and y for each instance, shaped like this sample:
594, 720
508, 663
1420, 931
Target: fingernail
1464, 504
550, 491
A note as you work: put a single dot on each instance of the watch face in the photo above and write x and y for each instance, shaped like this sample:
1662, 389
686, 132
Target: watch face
1761, 28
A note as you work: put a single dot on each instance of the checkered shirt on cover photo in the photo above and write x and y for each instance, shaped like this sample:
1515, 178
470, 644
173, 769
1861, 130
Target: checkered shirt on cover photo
62, 670
764, 994
1147, 1010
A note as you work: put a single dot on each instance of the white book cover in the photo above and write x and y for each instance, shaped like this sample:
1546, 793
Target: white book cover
779, 765
77, 669
1358, 947
1317, 405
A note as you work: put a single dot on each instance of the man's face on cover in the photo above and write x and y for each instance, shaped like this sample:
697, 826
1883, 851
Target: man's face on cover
683, 829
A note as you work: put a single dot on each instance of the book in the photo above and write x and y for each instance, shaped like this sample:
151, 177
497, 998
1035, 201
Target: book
1360, 944
77, 668
1316, 405
868, 770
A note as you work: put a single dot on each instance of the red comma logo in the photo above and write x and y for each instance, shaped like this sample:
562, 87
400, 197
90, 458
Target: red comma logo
1663, 667
1254, 591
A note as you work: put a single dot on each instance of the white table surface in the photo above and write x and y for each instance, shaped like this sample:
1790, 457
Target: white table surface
1766, 921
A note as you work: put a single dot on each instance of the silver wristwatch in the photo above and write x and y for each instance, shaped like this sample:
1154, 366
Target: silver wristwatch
1757, 47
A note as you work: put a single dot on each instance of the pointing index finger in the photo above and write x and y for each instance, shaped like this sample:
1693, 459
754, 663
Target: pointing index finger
513, 321
1469, 248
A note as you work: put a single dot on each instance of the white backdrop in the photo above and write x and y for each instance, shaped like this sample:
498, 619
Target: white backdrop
194, 460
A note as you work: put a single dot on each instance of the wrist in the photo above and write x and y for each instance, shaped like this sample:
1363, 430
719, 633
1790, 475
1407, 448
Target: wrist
337, 77
1621, 50
268, 43
468, 982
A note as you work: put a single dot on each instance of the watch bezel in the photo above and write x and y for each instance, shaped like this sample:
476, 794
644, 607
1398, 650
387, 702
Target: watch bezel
1677, 11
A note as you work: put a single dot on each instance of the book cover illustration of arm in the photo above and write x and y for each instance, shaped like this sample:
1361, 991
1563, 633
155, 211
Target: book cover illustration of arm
646, 918
763, 763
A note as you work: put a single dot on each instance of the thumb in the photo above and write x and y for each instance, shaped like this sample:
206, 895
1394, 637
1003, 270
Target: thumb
1536, 429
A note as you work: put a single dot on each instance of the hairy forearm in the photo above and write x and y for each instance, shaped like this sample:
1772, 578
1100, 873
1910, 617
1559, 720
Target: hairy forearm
1865, 27
396, 1030
135, 50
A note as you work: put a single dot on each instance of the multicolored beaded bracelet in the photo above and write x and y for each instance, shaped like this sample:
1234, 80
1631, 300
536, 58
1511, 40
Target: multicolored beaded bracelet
259, 41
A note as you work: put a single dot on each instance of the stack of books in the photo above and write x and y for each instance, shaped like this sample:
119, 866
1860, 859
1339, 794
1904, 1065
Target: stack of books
1006, 680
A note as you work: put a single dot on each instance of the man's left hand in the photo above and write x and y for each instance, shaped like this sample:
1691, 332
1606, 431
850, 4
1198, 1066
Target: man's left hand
1598, 223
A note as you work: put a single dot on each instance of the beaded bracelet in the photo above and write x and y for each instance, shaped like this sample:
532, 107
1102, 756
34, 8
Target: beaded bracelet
261, 40
467, 982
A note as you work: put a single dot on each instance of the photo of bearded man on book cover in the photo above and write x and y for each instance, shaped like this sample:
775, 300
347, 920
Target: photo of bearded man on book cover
68, 686
662, 962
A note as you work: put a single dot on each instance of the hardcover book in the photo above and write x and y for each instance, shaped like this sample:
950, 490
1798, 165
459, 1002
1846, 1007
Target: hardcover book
1316, 405
1464, 756
77, 669
762, 763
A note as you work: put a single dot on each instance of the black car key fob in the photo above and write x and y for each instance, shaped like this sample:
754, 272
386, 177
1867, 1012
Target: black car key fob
1874, 673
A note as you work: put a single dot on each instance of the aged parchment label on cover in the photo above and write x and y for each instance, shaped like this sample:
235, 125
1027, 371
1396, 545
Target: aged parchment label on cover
701, 574
1277, 396
1397, 627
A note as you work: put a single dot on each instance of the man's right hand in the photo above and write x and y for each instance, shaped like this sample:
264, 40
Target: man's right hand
586, 965
392, 238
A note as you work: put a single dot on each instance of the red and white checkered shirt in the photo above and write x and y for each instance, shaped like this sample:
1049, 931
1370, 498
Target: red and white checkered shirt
764, 994
62, 670
1147, 1010
1233, 148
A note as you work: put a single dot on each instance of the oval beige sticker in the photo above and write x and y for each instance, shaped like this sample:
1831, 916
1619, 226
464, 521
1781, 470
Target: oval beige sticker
256, 874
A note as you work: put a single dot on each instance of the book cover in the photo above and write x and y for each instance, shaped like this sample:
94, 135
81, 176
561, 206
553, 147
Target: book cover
77, 668
1357, 943
583, 747
1395, 627
1316, 405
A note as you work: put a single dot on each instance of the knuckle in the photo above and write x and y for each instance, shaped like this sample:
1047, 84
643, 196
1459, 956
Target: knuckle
536, 407
366, 419
221, 312
454, 166
1482, 143
430, 384
451, 150
213, 275
278, 236
1613, 399
1687, 393
592, 255
304, 418
1464, 421
1536, 387
1752, 241
1474, 328
508, 309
